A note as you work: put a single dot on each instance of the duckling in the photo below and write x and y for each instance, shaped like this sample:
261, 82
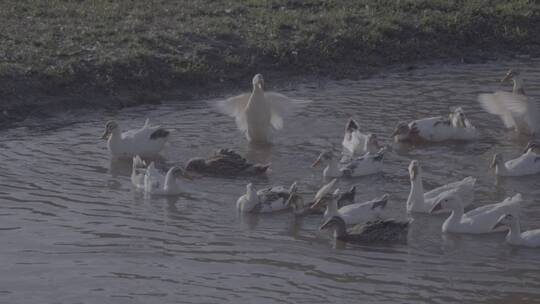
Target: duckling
379, 231
225, 162
530, 238
147, 141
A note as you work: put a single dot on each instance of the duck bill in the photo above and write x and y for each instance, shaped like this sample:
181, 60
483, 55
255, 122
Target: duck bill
437, 207
105, 134
506, 78
498, 226
316, 163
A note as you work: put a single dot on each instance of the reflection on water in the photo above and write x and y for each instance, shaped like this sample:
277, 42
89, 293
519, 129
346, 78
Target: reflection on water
74, 230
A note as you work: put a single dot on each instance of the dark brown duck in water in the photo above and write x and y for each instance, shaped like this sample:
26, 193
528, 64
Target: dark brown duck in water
225, 162
379, 231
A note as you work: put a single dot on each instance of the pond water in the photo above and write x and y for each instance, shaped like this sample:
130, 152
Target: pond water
74, 230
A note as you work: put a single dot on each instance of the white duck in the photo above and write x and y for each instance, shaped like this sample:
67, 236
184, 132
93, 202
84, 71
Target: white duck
155, 183
526, 164
272, 199
515, 109
437, 129
355, 213
365, 165
147, 141
257, 111
421, 202
357, 143
529, 238
479, 220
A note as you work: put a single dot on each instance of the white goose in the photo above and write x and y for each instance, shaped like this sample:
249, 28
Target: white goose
147, 141
515, 109
355, 213
530, 238
437, 129
257, 111
155, 183
365, 165
421, 202
479, 220
526, 164
272, 199
357, 143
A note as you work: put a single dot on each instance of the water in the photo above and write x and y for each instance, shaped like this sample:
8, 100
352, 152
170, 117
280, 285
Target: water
74, 230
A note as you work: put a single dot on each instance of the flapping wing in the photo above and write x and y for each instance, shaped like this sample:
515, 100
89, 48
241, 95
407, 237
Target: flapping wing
235, 107
514, 110
281, 105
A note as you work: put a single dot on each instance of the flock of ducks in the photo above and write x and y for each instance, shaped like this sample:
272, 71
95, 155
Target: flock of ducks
258, 112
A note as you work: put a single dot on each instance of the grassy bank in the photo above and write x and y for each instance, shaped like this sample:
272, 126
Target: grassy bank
126, 52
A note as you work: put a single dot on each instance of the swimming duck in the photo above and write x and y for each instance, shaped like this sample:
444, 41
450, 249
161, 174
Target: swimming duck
532, 146
256, 112
356, 213
529, 238
225, 162
527, 163
516, 110
437, 129
365, 165
171, 183
147, 141
272, 199
479, 220
379, 231
357, 143
318, 207
418, 201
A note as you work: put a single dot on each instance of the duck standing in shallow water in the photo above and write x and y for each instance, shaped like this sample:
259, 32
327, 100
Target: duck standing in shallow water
515, 109
225, 162
526, 164
515, 237
257, 112
476, 221
147, 141
421, 202
271, 199
437, 129
379, 231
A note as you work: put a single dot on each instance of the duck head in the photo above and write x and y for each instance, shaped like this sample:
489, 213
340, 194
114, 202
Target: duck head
497, 160
505, 220
258, 82
414, 169
458, 117
372, 143
401, 131
514, 76
510, 75
325, 157
110, 127
179, 172
336, 223
196, 164
532, 145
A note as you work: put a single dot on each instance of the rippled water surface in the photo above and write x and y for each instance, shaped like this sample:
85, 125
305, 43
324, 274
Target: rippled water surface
74, 230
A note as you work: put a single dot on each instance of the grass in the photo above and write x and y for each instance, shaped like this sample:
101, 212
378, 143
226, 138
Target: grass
134, 50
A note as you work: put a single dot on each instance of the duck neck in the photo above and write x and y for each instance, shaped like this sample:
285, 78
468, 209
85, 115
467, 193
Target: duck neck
170, 183
340, 230
455, 217
331, 208
500, 168
514, 233
416, 196
116, 135
332, 170
518, 86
